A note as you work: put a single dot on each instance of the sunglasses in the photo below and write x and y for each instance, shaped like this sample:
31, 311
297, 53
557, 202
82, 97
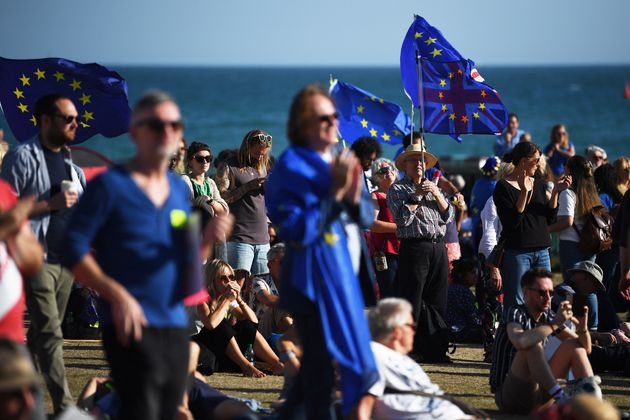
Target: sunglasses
155, 124
384, 170
329, 119
228, 278
68, 119
542, 292
202, 159
262, 138
533, 159
411, 325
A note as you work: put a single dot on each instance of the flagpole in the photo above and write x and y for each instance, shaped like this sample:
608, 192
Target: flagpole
421, 107
332, 81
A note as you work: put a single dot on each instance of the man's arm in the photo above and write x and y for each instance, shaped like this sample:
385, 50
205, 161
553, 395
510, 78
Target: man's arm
267, 298
523, 340
363, 409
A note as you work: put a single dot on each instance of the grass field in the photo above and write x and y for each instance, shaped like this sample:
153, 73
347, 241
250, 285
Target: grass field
467, 378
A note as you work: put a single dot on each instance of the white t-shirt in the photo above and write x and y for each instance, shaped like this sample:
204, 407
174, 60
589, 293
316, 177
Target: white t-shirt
566, 207
491, 228
400, 372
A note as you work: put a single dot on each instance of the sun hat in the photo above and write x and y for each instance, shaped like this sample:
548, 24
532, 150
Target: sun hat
416, 150
592, 269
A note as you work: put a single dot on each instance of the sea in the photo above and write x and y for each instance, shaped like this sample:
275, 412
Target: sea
220, 104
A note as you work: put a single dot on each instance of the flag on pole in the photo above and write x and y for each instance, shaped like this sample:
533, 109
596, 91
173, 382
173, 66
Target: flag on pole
99, 94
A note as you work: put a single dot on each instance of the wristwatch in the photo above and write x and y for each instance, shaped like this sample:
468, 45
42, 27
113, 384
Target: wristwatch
559, 330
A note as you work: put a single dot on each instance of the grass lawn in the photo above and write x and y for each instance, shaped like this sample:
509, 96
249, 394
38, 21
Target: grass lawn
467, 378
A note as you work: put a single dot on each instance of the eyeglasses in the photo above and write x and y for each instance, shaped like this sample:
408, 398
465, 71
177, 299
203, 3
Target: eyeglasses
68, 119
534, 159
596, 157
542, 292
262, 138
227, 278
202, 159
328, 119
384, 170
157, 125
411, 325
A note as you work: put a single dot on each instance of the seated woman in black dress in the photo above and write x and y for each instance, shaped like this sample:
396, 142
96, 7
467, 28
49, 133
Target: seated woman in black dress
230, 326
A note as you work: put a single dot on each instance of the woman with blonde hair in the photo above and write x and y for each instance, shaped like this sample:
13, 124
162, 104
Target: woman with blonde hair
241, 180
230, 326
559, 149
622, 166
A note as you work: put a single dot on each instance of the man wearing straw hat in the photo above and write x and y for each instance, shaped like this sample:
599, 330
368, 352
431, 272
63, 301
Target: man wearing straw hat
421, 214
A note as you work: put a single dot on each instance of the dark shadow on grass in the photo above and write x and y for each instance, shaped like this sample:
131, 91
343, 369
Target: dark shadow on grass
455, 373
100, 366
83, 347
85, 358
249, 390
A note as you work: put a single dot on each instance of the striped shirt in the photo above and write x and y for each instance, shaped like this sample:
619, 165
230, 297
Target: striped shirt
503, 351
426, 221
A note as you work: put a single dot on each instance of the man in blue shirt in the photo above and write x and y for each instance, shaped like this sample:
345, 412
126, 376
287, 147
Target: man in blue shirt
134, 217
509, 138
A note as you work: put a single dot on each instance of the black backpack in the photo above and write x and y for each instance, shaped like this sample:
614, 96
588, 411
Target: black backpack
596, 234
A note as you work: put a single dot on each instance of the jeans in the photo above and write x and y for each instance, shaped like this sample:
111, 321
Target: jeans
252, 258
570, 254
515, 263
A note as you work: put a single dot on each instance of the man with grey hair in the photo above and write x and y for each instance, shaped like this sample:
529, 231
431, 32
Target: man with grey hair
392, 397
265, 296
596, 155
135, 217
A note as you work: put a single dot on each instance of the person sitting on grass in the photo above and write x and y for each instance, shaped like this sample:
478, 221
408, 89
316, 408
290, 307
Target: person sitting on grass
520, 375
392, 396
462, 316
229, 325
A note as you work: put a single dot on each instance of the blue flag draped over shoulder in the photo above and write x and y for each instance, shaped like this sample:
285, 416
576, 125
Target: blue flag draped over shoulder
363, 114
455, 98
99, 94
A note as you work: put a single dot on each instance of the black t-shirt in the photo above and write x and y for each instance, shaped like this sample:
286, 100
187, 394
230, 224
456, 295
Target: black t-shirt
528, 229
57, 171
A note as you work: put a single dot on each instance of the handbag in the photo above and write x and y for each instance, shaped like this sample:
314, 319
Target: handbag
495, 258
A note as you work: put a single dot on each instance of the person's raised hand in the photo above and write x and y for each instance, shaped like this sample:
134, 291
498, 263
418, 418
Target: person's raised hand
341, 172
353, 195
525, 182
427, 186
563, 314
63, 200
563, 183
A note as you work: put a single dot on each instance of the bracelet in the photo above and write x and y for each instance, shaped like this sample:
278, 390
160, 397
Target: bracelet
240, 302
559, 330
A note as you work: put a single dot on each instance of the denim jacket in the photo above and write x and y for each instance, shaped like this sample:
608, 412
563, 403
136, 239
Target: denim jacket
24, 167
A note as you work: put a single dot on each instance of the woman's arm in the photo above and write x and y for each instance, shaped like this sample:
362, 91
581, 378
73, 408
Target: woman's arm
211, 318
218, 204
380, 226
563, 223
244, 312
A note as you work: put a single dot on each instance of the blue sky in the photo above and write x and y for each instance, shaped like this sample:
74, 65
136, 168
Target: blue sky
324, 32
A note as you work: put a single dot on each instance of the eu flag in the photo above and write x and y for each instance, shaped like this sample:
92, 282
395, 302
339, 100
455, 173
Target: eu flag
364, 114
99, 94
454, 96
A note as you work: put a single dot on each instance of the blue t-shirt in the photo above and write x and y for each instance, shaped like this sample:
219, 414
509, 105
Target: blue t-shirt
556, 161
140, 246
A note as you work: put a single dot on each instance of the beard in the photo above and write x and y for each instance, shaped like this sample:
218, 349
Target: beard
60, 138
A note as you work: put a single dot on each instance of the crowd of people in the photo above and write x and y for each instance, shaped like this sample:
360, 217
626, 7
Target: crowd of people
267, 267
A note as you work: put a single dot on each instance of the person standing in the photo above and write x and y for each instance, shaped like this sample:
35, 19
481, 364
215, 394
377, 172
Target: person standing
311, 197
135, 216
421, 214
43, 167
241, 180
559, 149
510, 137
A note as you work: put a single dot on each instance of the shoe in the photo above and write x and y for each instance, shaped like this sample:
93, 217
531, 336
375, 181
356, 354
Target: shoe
444, 359
589, 385
620, 336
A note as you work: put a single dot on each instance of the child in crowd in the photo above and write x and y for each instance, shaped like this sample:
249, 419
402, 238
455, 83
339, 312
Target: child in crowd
462, 315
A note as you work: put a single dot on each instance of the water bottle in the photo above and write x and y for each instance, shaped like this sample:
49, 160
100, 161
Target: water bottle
249, 354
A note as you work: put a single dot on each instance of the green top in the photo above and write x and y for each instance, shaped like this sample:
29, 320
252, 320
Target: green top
201, 189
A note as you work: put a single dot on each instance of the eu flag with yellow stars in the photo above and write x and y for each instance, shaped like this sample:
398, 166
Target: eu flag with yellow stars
454, 98
99, 94
362, 114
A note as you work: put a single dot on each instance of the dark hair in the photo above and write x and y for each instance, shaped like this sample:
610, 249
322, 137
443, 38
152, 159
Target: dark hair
532, 274
512, 114
224, 155
47, 105
365, 146
521, 151
606, 181
300, 112
407, 138
196, 147
461, 267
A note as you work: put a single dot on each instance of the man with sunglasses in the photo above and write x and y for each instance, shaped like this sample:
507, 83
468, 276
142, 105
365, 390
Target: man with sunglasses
521, 377
43, 167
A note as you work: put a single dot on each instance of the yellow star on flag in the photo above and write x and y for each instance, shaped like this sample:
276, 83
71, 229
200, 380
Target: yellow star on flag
436, 52
373, 98
483, 93
59, 75
18, 93
385, 136
442, 82
40, 74
430, 41
330, 238
464, 119
475, 115
459, 71
87, 116
482, 105
75, 85
85, 99
33, 120
418, 35
364, 123
23, 108
441, 95
451, 75
380, 101
84, 125
444, 108
360, 109
25, 80
373, 132
397, 133
451, 117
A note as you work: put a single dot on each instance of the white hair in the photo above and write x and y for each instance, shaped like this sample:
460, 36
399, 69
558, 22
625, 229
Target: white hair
388, 314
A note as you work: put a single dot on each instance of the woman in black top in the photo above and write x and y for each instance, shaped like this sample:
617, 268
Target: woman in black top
525, 210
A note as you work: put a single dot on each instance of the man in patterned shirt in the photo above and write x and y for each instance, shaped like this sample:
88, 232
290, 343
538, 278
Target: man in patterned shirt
421, 214
520, 376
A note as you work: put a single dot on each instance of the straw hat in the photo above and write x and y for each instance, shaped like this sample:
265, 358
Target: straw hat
416, 150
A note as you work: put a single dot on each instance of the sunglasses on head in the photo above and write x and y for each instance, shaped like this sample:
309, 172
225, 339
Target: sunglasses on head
202, 159
329, 119
262, 138
158, 125
68, 119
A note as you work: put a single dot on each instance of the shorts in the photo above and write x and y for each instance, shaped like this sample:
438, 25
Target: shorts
516, 396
